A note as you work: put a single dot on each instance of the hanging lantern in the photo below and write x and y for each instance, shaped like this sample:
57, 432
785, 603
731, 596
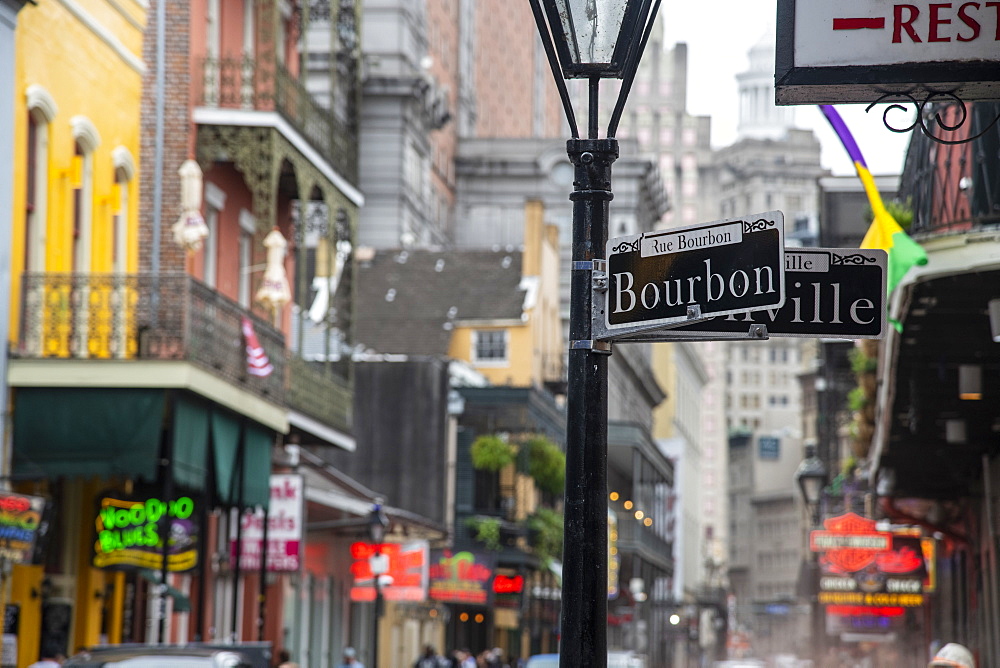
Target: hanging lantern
274, 291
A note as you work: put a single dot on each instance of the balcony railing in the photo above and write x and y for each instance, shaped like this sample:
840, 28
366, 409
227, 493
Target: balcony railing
955, 188
145, 317
320, 394
633, 536
246, 83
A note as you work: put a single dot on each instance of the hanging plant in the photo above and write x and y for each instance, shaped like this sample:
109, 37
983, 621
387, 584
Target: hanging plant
862, 363
546, 465
545, 527
857, 399
487, 531
491, 453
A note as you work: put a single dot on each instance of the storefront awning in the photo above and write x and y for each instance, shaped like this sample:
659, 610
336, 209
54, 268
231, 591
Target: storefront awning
108, 432
82, 432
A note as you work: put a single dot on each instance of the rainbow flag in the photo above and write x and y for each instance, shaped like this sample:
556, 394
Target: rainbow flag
884, 232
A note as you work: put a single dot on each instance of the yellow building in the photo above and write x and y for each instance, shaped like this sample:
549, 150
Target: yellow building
496, 309
78, 82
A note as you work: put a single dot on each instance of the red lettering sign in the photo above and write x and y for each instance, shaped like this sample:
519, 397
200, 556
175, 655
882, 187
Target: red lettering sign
504, 584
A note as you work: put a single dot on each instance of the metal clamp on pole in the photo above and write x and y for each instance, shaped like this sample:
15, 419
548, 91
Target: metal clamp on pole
603, 347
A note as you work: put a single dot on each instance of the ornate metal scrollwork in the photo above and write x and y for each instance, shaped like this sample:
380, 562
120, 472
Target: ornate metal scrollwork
853, 258
922, 117
626, 246
758, 225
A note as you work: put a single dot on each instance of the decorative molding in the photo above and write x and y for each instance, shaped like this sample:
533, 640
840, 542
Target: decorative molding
105, 35
122, 159
85, 133
41, 103
270, 119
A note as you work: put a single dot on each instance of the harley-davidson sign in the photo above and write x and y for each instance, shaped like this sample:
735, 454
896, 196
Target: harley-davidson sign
850, 541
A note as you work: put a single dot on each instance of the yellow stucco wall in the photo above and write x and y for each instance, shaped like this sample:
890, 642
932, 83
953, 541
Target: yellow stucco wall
87, 55
534, 347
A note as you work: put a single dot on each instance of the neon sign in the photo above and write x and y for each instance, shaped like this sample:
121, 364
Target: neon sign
129, 534
20, 524
461, 577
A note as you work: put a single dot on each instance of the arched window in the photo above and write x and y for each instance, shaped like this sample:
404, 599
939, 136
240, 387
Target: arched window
87, 140
124, 173
42, 111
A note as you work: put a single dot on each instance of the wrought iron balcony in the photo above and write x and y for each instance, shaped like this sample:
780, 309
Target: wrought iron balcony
250, 84
145, 317
633, 536
321, 394
955, 187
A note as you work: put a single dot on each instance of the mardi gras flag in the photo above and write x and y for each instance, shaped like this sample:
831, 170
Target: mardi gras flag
884, 232
257, 362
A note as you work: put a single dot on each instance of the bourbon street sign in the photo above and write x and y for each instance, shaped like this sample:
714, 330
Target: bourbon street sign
835, 293
665, 278
859, 50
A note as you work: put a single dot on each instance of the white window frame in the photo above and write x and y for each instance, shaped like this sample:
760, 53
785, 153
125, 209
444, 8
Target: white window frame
248, 225
215, 203
490, 361
124, 166
43, 111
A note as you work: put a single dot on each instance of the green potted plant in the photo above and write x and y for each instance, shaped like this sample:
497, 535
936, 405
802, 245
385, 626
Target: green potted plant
491, 453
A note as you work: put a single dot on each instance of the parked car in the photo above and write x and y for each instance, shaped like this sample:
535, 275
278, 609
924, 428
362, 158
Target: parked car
158, 656
615, 660
543, 661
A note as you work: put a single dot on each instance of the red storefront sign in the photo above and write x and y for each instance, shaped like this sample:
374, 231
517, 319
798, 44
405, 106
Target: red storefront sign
407, 570
850, 541
460, 577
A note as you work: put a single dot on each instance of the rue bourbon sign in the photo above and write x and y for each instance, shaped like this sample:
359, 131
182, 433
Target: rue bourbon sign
715, 269
830, 293
859, 50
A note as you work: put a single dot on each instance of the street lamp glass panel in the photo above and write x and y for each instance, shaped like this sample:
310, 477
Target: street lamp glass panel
811, 487
593, 37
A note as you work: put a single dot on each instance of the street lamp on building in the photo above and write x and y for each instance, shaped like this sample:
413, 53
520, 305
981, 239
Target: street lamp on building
593, 40
379, 563
811, 478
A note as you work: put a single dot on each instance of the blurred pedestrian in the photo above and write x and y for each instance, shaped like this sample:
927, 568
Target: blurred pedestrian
953, 655
350, 659
430, 659
51, 657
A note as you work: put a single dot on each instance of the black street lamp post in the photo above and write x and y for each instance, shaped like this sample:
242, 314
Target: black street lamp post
377, 523
811, 477
591, 39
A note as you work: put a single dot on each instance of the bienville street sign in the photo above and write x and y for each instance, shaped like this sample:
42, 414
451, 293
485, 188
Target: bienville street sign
835, 293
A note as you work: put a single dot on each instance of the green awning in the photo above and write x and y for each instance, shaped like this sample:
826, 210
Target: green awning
190, 443
228, 437
257, 465
87, 432
106, 432
225, 445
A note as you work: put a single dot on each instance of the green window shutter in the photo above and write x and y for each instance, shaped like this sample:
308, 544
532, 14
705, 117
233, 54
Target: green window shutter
256, 465
225, 444
190, 443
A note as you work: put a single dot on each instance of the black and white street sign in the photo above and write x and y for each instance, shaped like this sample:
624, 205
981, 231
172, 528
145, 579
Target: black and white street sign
860, 50
836, 293
713, 269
